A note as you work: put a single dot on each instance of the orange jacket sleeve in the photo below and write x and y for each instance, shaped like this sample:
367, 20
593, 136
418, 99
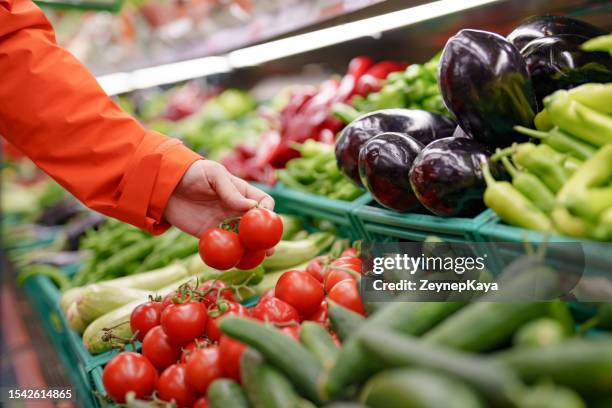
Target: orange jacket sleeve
54, 111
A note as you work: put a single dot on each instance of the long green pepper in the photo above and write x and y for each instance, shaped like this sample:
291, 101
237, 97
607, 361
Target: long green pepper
561, 142
542, 161
531, 187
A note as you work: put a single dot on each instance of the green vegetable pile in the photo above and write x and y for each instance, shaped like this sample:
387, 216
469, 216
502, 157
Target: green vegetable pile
415, 88
317, 172
563, 184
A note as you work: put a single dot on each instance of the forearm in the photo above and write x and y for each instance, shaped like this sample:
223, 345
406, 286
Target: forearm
54, 111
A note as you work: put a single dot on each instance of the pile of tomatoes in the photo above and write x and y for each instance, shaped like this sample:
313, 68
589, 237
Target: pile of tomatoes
183, 350
258, 231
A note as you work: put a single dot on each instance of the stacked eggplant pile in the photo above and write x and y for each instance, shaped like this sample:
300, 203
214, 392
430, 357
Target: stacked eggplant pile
409, 158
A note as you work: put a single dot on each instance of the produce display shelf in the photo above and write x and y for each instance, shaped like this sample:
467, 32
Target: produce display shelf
338, 212
381, 224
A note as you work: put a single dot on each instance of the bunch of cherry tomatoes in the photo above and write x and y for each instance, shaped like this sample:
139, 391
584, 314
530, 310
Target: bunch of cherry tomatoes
258, 231
183, 350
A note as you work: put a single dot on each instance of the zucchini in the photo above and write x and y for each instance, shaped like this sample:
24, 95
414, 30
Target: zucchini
224, 393
540, 333
354, 365
289, 356
291, 226
291, 253
581, 364
551, 396
483, 326
320, 343
97, 300
69, 297
344, 321
264, 385
492, 380
409, 388
74, 319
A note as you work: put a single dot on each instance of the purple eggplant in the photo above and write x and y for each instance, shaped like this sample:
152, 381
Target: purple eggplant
447, 178
485, 84
546, 26
557, 62
384, 168
421, 125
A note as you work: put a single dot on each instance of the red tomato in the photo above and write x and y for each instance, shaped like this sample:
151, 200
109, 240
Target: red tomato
251, 259
260, 228
346, 293
169, 299
220, 291
191, 347
320, 315
212, 326
292, 331
184, 322
301, 291
275, 311
316, 268
126, 372
172, 386
158, 348
268, 294
230, 351
203, 368
349, 262
336, 276
201, 403
220, 249
144, 317
350, 252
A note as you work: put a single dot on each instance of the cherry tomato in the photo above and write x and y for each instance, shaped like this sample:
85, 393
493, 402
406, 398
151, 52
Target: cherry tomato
268, 294
203, 368
346, 293
260, 228
220, 249
301, 291
144, 317
230, 351
169, 299
320, 315
220, 291
201, 403
275, 311
172, 386
292, 331
251, 259
184, 322
126, 372
158, 348
191, 347
336, 276
350, 252
316, 268
212, 326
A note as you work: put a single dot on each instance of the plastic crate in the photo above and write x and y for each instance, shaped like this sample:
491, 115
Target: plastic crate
381, 224
340, 213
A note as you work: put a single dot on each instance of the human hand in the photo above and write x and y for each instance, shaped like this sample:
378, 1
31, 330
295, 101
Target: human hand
207, 194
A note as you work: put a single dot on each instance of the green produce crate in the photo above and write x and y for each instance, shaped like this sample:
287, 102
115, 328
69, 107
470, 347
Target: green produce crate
339, 213
382, 225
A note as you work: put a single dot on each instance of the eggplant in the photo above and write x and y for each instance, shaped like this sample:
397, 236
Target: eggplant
558, 62
78, 227
485, 84
546, 26
421, 125
447, 177
60, 213
384, 168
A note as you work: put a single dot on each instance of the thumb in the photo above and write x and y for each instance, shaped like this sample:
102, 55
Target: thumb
221, 181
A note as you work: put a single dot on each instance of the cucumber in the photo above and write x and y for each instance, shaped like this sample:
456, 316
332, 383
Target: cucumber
320, 343
551, 396
289, 356
344, 321
354, 365
292, 253
264, 385
492, 380
584, 365
483, 326
540, 333
410, 388
224, 393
